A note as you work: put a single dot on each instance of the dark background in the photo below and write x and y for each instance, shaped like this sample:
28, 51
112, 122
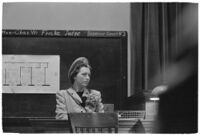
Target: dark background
107, 56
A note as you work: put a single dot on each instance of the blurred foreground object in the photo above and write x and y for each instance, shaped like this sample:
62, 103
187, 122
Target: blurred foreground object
178, 105
159, 90
177, 111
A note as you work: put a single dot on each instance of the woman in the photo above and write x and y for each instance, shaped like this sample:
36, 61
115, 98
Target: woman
78, 98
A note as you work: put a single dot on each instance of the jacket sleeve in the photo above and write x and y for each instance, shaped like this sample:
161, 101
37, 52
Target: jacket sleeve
61, 111
100, 106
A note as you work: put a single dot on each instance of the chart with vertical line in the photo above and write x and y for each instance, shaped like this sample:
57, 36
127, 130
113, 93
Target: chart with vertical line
30, 73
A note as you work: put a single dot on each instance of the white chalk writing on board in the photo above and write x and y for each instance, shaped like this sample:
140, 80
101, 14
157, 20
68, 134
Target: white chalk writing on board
30, 73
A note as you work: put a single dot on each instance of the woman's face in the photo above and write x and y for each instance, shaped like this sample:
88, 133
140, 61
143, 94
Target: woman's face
83, 77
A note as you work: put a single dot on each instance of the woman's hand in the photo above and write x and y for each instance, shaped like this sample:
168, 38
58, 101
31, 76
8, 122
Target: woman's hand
92, 102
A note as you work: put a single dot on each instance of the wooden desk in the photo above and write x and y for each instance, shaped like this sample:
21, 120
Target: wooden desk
35, 125
17, 125
51, 125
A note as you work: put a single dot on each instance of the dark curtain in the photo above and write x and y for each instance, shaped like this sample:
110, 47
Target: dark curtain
156, 38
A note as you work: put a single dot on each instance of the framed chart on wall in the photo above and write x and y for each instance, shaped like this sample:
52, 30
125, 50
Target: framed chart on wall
30, 73
106, 51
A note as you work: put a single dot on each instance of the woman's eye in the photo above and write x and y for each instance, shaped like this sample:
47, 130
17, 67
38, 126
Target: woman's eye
84, 74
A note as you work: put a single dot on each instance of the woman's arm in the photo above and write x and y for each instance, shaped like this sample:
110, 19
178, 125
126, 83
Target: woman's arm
100, 106
61, 111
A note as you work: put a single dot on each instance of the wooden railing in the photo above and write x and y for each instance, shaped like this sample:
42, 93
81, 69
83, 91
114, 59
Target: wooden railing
51, 125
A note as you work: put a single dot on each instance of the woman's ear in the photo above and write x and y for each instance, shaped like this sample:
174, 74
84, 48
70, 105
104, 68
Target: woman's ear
75, 78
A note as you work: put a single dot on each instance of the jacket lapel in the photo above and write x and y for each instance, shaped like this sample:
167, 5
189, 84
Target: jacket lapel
74, 95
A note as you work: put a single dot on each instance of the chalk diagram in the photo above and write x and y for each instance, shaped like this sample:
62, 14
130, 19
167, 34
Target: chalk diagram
30, 74
26, 74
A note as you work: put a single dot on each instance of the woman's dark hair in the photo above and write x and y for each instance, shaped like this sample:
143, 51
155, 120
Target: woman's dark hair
76, 66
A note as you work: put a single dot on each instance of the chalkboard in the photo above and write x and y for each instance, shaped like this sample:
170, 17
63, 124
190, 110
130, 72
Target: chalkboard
106, 51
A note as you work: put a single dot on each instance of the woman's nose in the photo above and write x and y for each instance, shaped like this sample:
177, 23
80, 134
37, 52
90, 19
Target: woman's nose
88, 77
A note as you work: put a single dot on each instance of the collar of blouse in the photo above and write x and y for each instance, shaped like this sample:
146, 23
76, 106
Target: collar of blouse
73, 93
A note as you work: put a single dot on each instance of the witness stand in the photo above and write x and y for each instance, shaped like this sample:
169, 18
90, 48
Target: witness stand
51, 125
